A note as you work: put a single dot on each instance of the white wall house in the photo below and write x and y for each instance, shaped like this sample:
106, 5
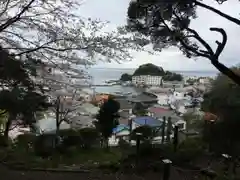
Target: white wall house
204, 80
147, 80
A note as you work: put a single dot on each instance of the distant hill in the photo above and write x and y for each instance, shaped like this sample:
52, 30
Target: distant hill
149, 69
152, 70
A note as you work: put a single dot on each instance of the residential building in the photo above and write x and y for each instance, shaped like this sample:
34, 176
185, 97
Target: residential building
173, 84
204, 80
147, 80
160, 112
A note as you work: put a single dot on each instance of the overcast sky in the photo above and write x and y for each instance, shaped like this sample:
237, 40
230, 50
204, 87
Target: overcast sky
115, 12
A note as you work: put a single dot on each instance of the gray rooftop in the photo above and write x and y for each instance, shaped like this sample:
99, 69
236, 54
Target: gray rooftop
142, 98
124, 104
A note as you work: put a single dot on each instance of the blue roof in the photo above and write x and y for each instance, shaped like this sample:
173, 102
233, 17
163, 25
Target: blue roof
120, 127
147, 120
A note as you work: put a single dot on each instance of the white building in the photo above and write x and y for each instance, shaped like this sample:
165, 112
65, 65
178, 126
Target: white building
147, 80
204, 80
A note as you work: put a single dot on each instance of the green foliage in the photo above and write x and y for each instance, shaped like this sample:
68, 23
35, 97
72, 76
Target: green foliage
12, 71
123, 144
162, 10
25, 141
69, 138
126, 77
4, 142
107, 118
149, 69
18, 101
89, 137
146, 132
45, 145
171, 76
139, 109
22, 96
190, 149
224, 101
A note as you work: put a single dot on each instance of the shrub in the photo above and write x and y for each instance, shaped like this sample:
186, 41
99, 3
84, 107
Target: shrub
89, 137
4, 142
123, 144
25, 140
189, 150
69, 138
45, 145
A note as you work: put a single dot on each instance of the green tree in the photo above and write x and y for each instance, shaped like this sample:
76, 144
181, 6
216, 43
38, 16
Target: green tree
89, 137
139, 109
167, 24
20, 97
126, 77
107, 119
171, 76
149, 69
224, 101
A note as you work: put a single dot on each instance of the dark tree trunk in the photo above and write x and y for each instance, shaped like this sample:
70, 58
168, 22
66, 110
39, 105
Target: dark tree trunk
11, 117
163, 129
7, 127
106, 143
57, 120
220, 13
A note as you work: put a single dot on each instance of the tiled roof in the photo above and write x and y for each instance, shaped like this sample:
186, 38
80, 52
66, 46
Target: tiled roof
124, 104
160, 112
142, 98
158, 109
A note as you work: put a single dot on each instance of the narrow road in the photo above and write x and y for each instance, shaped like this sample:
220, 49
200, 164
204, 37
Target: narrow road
7, 174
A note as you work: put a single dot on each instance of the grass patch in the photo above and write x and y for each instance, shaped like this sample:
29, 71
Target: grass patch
73, 158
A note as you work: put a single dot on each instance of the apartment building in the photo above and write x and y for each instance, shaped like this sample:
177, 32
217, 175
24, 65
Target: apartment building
147, 80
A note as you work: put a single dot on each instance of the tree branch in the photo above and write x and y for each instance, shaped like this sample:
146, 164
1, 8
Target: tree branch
222, 44
230, 18
5, 8
226, 71
16, 17
201, 40
195, 35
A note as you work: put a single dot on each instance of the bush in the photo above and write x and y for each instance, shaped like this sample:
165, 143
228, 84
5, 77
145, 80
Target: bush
69, 138
189, 150
123, 144
45, 145
4, 142
25, 140
89, 137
